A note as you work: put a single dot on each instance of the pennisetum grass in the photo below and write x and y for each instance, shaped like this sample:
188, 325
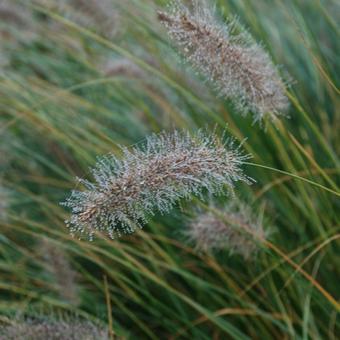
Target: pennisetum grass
233, 228
227, 55
43, 329
71, 93
153, 177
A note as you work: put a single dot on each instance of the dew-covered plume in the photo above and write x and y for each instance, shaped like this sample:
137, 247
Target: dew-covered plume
226, 54
153, 177
234, 228
53, 330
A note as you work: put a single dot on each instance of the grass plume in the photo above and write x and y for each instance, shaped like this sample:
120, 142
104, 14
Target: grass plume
153, 177
53, 330
234, 228
225, 53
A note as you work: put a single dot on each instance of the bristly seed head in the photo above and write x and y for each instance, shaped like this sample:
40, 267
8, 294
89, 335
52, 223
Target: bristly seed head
227, 55
53, 330
153, 177
233, 228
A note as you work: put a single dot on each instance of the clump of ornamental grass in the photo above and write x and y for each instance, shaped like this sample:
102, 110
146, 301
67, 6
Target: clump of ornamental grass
60, 268
53, 330
234, 228
226, 54
151, 178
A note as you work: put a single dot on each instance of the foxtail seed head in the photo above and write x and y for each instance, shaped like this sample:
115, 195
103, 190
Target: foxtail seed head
153, 177
239, 68
53, 330
233, 228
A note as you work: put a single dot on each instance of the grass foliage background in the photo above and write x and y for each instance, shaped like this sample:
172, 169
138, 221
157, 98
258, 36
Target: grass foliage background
60, 109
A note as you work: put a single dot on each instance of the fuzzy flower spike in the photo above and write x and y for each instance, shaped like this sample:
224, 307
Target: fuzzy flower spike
53, 330
151, 178
234, 228
226, 54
